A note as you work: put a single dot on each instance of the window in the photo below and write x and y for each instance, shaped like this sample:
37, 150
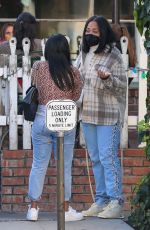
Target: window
61, 8
7, 11
105, 8
72, 29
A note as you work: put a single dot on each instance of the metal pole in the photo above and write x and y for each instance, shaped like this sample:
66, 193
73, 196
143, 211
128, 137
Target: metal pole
116, 12
60, 182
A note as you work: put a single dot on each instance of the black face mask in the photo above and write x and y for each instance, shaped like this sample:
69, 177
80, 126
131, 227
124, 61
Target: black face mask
91, 39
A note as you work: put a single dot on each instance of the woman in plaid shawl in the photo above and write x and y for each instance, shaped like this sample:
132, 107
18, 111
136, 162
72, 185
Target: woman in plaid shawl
102, 113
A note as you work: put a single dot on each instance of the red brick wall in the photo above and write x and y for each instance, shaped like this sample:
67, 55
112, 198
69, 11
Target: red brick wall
16, 167
133, 102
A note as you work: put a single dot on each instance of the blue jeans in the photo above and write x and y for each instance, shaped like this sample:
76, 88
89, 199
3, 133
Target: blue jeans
44, 141
102, 144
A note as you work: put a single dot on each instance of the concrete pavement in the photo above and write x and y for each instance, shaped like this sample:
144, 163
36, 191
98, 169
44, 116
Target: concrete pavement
48, 221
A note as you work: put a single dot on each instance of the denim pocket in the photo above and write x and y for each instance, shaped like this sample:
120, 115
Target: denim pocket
38, 125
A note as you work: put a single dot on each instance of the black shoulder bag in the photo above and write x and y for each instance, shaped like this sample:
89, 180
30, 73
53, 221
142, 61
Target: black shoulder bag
29, 104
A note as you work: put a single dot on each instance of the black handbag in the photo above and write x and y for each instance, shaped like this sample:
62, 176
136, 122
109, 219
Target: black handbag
29, 104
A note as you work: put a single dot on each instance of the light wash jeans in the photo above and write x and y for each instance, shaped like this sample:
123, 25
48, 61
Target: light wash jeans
44, 141
102, 144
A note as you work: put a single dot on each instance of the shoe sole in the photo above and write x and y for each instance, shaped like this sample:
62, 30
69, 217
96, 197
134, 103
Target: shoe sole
86, 215
74, 220
89, 215
118, 217
31, 219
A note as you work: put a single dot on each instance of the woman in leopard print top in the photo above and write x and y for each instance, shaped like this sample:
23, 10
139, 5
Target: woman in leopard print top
55, 78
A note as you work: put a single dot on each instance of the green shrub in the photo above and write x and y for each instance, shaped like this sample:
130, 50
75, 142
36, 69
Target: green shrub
140, 213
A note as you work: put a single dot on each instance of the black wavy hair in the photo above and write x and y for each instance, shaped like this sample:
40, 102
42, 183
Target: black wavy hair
106, 33
25, 26
57, 54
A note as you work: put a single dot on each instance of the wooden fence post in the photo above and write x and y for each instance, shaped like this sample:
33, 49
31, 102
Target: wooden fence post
13, 127
124, 131
26, 78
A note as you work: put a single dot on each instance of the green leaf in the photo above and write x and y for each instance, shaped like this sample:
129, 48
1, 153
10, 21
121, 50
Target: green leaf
148, 152
146, 21
147, 5
135, 14
147, 43
147, 34
142, 13
148, 51
140, 26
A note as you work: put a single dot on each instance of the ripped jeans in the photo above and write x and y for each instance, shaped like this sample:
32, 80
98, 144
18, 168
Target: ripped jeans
44, 141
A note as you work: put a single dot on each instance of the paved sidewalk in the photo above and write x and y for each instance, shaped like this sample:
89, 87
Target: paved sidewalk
47, 221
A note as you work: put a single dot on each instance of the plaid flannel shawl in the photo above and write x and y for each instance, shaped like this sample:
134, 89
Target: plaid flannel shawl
104, 101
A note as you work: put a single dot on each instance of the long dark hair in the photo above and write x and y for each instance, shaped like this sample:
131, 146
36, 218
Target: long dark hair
25, 26
106, 33
57, 54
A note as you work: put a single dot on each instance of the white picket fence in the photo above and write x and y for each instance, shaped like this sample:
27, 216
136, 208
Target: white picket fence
9, 75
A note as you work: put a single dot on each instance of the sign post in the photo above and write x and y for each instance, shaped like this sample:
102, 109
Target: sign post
60, 182
60, 117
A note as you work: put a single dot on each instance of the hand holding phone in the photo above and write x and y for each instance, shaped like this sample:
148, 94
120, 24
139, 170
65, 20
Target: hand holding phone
102, 71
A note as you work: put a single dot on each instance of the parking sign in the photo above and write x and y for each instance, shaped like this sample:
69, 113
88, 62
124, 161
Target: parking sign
61, 115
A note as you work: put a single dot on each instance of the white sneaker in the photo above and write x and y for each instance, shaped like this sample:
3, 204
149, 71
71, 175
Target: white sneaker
32, 213
112, 210
93, 210
73, 215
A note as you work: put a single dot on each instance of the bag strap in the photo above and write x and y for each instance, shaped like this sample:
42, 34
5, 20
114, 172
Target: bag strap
35, 77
